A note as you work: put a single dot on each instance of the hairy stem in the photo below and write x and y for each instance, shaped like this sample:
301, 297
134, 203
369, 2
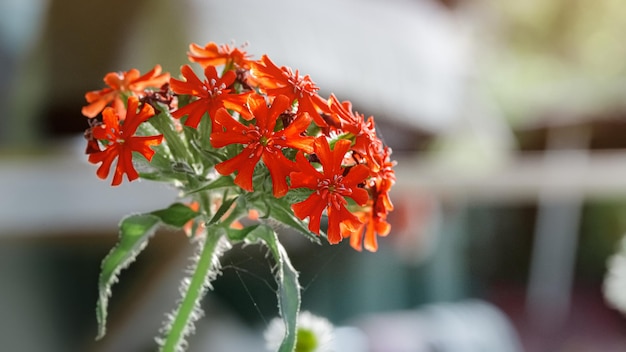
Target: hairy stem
194, 293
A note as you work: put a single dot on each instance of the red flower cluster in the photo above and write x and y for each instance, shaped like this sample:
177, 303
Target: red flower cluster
118, 104
120, 141
260, 114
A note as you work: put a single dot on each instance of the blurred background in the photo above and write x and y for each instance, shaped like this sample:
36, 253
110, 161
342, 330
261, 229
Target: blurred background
507, 120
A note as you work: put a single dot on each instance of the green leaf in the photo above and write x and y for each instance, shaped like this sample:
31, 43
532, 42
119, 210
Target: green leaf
176, 215
134, 233
280, 210
288, 286
238, 211
240, 234
222, 210
221, 182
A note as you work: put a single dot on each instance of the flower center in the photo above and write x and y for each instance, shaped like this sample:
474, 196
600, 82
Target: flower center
332, 186
214, 90
301, 84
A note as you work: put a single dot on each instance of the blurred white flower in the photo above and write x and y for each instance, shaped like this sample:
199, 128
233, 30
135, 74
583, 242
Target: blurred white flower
615, 280
315, 334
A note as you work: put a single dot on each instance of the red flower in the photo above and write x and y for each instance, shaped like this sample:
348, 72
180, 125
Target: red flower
274, 81
121, 83
374, 217
365, 235
331, 187
212, 94
261, 142
120, 142
385, 179
214, 55
366, 141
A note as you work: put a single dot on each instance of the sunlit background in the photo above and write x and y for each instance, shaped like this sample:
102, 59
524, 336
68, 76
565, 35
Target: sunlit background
507, 119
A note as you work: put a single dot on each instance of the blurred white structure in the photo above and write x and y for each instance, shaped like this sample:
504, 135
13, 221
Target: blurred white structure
470, 326
408, 59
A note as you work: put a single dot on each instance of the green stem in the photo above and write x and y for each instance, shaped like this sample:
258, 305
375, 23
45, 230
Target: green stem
195, 292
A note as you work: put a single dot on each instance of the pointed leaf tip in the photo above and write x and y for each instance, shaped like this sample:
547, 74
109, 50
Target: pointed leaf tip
176, 215
288, 293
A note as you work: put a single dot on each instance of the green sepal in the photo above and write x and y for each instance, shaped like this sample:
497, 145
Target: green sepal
176, 215
210, 156
183, 99
288, 292
296, 195
134, 233
175, 140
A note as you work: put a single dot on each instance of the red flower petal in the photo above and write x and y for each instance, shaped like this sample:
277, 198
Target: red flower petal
312, 207
244, 164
